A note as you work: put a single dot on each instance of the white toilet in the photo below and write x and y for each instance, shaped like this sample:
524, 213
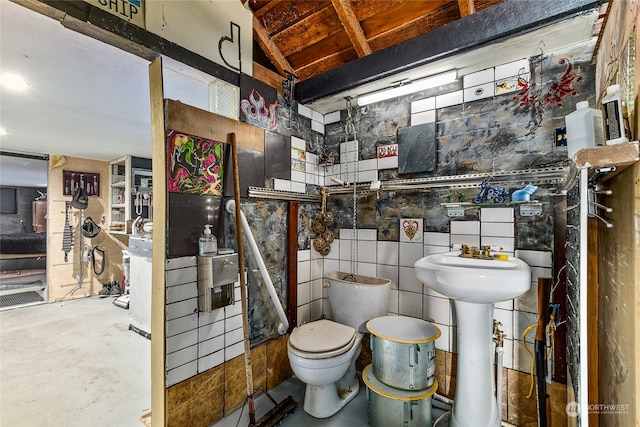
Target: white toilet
323, 353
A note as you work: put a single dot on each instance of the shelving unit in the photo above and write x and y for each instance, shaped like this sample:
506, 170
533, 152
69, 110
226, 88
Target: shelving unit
128, 176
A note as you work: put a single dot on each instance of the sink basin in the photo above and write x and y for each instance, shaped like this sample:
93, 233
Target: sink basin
472, 279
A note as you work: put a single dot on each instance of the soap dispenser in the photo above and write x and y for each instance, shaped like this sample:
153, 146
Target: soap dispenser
207, 244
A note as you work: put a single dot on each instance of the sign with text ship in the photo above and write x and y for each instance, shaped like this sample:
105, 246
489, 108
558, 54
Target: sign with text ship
128, 10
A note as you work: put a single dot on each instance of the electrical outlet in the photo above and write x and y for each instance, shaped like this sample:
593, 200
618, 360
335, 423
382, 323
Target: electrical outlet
455, 212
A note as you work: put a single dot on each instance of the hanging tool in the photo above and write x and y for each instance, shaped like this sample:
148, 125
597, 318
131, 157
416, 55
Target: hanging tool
283, 408
67, 234
544, 400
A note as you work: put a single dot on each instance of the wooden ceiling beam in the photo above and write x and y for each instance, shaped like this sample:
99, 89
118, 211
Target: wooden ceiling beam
270, 49
467, 7
352, 26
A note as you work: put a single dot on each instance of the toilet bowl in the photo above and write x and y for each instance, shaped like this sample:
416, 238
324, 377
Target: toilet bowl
323, 353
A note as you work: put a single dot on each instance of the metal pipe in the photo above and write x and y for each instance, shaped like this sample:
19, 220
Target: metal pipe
499, 363
284, 325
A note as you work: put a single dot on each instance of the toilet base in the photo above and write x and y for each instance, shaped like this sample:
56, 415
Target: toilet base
322, 401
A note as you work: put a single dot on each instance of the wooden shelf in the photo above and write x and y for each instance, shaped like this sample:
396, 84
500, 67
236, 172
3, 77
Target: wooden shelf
619, 156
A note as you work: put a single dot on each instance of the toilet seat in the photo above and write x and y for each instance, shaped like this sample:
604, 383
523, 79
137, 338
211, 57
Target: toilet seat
321, 339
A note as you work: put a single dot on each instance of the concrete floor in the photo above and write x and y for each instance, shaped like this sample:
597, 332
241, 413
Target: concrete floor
354, 414
72, 364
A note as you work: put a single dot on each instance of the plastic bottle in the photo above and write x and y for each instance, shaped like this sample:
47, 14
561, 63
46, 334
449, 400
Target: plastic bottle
613, 118
584, 128
207, 244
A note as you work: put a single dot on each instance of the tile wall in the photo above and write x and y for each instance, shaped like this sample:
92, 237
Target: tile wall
197, 341
409, 297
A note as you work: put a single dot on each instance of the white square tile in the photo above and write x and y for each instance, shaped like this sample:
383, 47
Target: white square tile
366, 165
317, 116
496, 214
390, 272
317, 268
483, 91
182, 292
182, 262
304, 255
537, 272
211, 330
233, 337
449, 99
298, 143
366, 251
465, 227
345, 266
465, 239
233, 322
181, 308
410, 304
423, 105
209, 346
410, 253
498, 229
233, 351
181, 276
297, 177
181, 373
298, 187
317, 126
181, 357
393, 301
304, 293
536, 258
367, 176
281, 184
182, 324
315, 310
305, 111
504, 305
345, 248
331, 264
304, 314
312, 158
388, 163
423, 117
234, 309
180, 341
367, 234
408, 281
332, 117
430, 250
207, 318
352, 146
506, 243
442, 343
429, 291
436, 310
312, 179
522, 360
210, 361
316, 289
367, 269
304, 271
528, 301
411, 229
436, 239
511, 69
388, 253
347, 233
478, 78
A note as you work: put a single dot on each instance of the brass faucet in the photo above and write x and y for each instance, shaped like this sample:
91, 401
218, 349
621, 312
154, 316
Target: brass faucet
486, 251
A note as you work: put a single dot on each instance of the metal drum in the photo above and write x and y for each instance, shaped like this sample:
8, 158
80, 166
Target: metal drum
389, 407
404, 354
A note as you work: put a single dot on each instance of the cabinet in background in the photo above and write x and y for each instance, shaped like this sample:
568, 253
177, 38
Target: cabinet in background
129, 191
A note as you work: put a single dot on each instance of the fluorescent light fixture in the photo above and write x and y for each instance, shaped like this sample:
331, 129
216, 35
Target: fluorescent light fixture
14, 82
406, 89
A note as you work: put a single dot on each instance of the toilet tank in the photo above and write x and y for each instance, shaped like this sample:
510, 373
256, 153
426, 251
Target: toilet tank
354, 299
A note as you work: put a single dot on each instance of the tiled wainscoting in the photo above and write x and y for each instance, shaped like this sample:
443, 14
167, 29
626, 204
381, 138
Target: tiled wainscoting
205, 353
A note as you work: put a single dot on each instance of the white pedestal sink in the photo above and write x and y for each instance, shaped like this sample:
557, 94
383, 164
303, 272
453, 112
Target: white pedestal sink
474, 285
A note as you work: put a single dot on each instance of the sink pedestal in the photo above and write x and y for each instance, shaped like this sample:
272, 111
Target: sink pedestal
475, 401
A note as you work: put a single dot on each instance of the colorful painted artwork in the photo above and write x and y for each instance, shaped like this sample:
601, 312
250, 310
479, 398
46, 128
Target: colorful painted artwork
411, 229
258, 103
385, 151
195, 164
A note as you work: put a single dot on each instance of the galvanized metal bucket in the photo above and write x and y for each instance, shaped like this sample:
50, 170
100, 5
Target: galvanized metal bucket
389, 407
403, 349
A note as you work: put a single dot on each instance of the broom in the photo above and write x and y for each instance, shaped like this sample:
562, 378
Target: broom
276, 414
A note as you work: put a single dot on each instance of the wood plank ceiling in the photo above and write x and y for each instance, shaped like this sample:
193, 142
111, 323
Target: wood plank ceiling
308, 38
